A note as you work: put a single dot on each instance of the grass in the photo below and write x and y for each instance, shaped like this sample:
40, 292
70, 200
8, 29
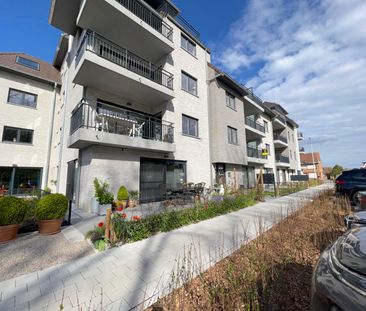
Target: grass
273, 272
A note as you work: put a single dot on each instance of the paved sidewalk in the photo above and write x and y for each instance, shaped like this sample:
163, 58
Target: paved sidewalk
135, 275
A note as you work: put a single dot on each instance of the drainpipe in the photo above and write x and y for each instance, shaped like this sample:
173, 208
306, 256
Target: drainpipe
209, 81
62, 133
50, 135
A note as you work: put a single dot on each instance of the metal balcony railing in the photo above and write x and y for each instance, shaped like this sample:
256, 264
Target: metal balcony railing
120, 121
281, 118
149, 16
282, 159
255, 125
255, 153
104, 48
280, 137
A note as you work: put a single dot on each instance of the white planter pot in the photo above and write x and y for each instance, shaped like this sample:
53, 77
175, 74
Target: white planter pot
99, 209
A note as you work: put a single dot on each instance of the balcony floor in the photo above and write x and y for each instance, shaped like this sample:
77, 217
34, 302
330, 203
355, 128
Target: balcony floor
97, 72
121, 26
85, 137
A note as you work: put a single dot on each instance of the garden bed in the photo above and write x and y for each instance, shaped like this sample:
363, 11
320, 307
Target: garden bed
273, 272
136, 229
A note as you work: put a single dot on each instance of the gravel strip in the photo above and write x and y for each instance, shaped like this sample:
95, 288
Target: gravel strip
33, 252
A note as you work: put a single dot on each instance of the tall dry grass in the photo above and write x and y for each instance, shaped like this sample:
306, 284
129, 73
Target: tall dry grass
272, 272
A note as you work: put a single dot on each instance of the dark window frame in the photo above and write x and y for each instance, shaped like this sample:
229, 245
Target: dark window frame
23, 97
183, 73
265, 124
188, 41
38, 66
190, 119
19, 132
231, 130
230, 96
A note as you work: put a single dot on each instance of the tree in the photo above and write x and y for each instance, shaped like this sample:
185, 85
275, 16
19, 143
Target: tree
336, 170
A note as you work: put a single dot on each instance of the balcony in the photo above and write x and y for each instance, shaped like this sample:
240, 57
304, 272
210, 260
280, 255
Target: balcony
117, 127
255, 156
282, 161
279, 122
130, 23
104, 65
254, 129
279, 141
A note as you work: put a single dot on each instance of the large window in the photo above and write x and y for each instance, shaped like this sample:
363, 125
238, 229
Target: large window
27, 62
265, 126
17, 135
188, 45
189, 126
22, 98
230, 100
232, 135
19, 180
189, 83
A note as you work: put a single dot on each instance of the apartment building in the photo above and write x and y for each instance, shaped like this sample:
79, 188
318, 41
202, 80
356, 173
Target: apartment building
311, 165
248, 135
29, 97
286, 143
135, 98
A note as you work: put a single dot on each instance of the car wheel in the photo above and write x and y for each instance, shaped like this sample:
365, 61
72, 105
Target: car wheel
354, 198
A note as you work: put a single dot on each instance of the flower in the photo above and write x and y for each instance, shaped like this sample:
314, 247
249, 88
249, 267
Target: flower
124, 216
120, 209
101, 224
136, 217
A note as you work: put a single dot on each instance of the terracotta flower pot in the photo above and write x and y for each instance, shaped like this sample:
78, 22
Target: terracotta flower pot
48, 227
8, 233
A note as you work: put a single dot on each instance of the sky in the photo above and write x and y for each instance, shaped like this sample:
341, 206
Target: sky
307, 55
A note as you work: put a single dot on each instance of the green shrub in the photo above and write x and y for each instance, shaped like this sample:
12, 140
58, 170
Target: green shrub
12, 211
134, 194
102, 193
53, 206
122, 194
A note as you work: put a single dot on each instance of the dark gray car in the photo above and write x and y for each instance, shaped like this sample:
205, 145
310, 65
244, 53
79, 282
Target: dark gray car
339, 278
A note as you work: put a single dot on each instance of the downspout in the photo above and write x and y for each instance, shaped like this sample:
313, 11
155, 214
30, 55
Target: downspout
48, 159
209, 81
60, 153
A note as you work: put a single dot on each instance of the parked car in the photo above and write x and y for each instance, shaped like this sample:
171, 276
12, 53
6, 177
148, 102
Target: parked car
350, 183
355, 220
339, 278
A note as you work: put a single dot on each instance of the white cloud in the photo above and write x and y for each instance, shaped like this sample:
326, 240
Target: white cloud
311, 57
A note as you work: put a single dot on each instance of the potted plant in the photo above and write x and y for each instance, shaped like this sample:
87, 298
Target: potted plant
12, 213
133, 199
122, 197
50, 212
103, 197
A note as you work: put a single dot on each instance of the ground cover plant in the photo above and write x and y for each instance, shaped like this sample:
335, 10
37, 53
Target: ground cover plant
131, 230
273, 272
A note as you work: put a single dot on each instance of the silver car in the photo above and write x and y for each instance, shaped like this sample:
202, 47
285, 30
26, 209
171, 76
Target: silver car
339, 278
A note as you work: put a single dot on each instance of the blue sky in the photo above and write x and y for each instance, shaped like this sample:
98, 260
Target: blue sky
307, 55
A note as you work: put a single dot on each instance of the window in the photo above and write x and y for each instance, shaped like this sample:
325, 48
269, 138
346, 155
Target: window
22, 98
27, 62
17, 135
268, 148
188, 45
189, 126
230, 100
265, 126
232, 135
189, 83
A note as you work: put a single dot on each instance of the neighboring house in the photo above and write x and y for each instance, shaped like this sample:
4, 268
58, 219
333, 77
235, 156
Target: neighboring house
286, 143
135, 95
311, 165
29, 97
